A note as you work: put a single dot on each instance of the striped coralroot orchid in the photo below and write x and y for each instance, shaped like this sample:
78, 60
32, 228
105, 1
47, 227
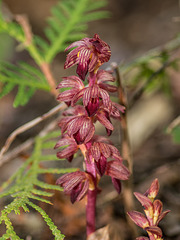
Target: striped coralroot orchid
153, 212
88, 105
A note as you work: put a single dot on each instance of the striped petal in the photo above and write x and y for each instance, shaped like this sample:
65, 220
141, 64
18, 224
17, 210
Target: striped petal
117, 170
105, 150
104, 121
95, 151
117, 184
139, 219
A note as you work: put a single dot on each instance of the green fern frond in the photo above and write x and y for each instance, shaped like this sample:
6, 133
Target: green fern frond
68, 22
24, 186
47, 219
12, 28
27, 78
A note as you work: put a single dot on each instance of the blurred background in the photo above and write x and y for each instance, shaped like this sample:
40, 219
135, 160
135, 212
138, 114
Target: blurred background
135, 27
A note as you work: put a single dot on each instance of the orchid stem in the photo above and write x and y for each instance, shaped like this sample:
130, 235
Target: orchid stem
91, 211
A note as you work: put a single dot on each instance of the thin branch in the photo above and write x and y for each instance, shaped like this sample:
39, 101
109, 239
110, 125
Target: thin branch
29, 44
169, 47
126, 152
29, 125
16, 151
27, 144
23, 21
45, 68
173, 124
139, 92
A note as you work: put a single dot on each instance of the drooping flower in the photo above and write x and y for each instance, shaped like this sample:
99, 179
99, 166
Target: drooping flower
79, 126
117, 171
101, 147
103, 77
116, 110
103, 117
72, 82
76, 184
89, 54
68, 148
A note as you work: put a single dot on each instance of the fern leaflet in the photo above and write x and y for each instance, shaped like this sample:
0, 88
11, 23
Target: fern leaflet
25, 186
68, 23
27, 78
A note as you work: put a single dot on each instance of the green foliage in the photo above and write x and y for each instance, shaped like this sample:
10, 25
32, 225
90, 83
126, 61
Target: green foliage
149, 70
176, 134
6, 47
68, 23
28, 79
27, 185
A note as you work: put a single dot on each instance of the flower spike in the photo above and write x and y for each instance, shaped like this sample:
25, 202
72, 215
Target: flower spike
87, 105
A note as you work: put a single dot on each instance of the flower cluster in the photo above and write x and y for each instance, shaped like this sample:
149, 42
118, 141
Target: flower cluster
153, 212
87, 105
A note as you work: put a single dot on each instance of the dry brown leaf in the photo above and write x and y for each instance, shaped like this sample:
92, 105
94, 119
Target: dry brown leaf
100, 234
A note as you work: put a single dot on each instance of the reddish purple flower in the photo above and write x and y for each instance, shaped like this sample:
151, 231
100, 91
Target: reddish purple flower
68, 148
117, 171
153, 212
116, 110
72, 82
100, 151
152, 192
103, 77
103, 117
89, 54
142, 238
94, 96
145, 201
75, 184
101, 147
139, 219
79, 126
155, 233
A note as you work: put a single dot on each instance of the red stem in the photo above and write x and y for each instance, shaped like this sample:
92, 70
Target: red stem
91, 198
90, 211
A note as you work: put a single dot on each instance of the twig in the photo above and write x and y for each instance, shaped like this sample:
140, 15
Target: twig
16, 151
29, 44
29, 125
23, 21
138, 93
126, 152
26, 145
173, 124
45, 68
168, 47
